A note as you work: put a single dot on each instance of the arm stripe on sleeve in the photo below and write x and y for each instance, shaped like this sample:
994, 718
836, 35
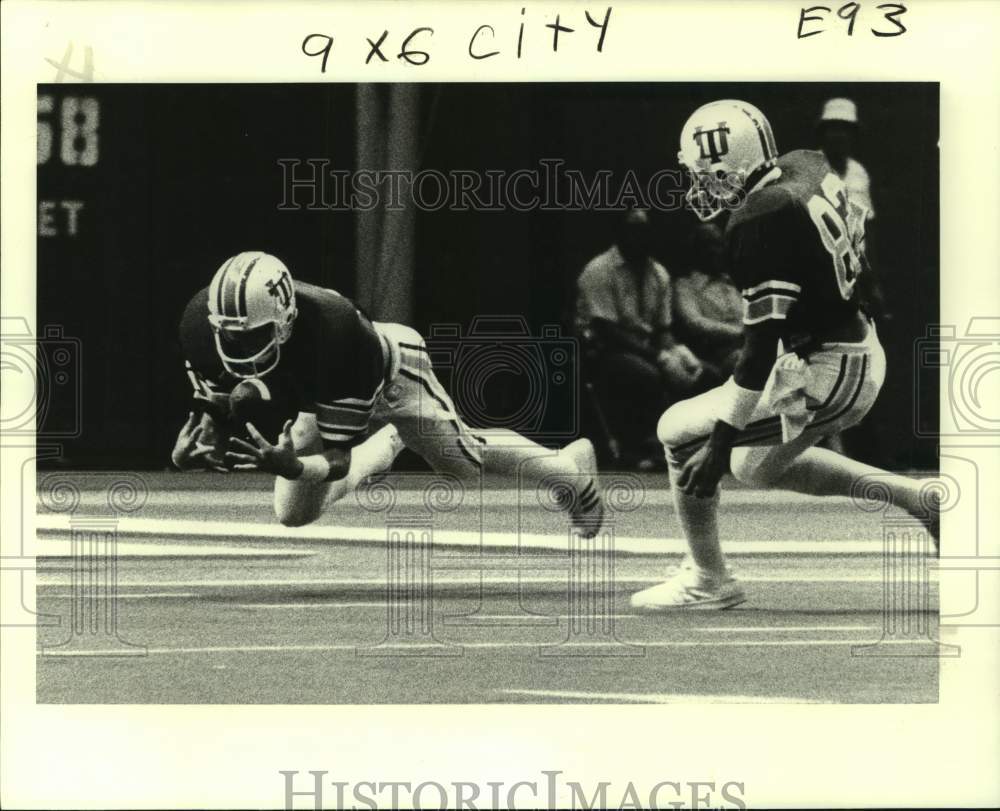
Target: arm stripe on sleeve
349, 402
332, 436
771, 284
348, 416
341, 405
773, 306
771, 291
347, 429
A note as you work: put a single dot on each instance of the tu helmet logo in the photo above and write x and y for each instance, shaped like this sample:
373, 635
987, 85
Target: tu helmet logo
713, 143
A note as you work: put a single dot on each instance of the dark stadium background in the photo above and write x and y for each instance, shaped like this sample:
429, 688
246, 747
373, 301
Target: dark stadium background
188, 175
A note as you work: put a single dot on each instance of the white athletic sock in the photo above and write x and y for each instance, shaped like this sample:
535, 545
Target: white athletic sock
701, 529
509, 455
375, 455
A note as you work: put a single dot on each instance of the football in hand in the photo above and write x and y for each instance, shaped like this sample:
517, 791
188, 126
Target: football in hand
267, 408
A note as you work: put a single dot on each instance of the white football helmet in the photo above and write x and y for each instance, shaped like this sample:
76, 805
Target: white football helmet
727, 147
251, 307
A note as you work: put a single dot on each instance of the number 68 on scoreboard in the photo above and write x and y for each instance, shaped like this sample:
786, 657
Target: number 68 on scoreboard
70, 132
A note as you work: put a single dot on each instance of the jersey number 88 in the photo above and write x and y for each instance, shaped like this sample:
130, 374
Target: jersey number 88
841, 233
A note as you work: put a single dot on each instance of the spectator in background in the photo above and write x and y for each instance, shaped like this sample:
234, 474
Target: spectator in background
707, 305
624, 313
838, 131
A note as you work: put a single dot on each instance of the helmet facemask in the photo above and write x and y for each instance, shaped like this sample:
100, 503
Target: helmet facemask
713, 192
247, 353
251, 311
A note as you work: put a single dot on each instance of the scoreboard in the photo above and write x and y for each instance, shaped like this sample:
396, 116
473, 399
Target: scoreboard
69, 148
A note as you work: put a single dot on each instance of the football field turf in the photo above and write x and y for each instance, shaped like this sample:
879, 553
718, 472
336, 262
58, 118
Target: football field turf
217, 603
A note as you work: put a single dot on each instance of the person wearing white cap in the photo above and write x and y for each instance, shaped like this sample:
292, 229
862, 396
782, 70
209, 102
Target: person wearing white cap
837, 128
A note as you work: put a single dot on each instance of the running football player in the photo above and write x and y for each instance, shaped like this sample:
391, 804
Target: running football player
363, 389
811, 363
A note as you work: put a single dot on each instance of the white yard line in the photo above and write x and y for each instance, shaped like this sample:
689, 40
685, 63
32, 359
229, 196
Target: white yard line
442, 584
145, 595
772, 629
158, 530
655, 495
50, 548
151, 595
456, 649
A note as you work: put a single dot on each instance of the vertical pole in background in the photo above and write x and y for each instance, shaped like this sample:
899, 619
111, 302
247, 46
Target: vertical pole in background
388, 140
339, 248
369, 156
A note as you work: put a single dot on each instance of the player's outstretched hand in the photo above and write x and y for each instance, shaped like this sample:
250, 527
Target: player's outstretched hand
189, 451
279, 459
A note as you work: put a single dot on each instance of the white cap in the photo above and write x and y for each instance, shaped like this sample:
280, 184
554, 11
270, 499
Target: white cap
840, 110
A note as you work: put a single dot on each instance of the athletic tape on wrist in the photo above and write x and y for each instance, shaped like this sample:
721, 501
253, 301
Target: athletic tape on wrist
314, 469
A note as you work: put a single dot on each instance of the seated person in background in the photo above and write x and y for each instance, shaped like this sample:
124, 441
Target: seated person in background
624, 307
708, 307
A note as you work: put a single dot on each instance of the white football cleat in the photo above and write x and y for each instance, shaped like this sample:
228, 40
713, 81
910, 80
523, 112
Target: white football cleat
587, 511
692, 588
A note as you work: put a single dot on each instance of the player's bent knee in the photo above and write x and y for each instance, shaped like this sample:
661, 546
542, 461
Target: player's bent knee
292, 511
670, 427
296, 516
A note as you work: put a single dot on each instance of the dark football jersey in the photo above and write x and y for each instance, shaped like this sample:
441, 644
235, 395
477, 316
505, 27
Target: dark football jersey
794, 248
333, 361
